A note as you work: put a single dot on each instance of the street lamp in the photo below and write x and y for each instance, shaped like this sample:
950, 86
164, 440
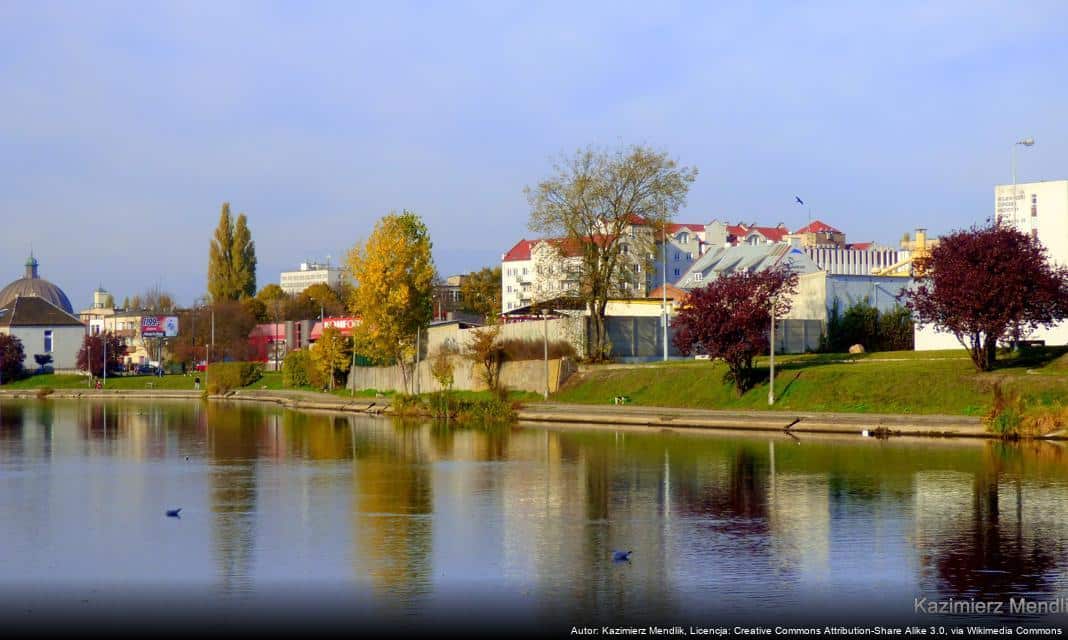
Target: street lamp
1026, 142
771, 350
2, 312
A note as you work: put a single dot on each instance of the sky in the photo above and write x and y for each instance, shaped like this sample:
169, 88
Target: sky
125, 126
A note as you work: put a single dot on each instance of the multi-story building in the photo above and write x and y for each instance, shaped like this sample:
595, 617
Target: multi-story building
1036, 208
103, 317
309, 273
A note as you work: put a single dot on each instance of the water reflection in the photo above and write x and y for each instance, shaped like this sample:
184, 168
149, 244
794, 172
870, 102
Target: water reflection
412, 514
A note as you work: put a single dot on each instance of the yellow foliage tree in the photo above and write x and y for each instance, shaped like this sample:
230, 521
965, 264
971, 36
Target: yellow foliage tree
331, 355
395, 275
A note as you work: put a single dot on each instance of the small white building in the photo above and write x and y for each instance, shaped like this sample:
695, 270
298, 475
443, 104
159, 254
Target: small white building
43, 328
294, 282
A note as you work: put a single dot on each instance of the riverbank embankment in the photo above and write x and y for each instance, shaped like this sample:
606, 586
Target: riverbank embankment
576, 415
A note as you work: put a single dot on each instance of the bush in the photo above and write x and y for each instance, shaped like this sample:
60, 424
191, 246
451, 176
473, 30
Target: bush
865, 325
295, 369
515, 349
227, 376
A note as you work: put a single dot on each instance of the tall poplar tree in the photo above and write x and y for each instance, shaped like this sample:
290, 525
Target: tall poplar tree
232, 259
244, 258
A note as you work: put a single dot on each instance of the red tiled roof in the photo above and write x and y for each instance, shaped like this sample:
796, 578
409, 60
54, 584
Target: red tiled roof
817, 226
676, 227
775, 234
673, 293
521, 251
860, 246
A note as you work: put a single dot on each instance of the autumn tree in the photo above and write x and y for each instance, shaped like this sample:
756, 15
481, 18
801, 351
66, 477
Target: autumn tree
153, 299
320, 298
331, 355
486, 355
91, 356
231, 259
441, 367
11, 357
986, 284
395, 272
730, 319
605, 207
480, 293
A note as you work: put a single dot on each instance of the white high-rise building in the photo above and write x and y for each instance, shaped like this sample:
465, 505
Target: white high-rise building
293, 282
1041, 210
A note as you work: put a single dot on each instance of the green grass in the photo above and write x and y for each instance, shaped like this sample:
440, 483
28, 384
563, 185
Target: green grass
895, 382
53, 381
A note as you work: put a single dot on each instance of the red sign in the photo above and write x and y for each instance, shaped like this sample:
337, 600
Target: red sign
345, 325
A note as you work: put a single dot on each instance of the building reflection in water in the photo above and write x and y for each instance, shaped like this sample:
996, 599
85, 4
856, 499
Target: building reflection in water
417, 513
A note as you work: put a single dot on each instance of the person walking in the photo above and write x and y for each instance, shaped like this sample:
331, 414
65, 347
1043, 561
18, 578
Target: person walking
196, 383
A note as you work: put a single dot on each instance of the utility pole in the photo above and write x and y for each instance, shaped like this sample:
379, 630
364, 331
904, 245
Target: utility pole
104, 340
415, 369
545, 324
664, 309
771, 379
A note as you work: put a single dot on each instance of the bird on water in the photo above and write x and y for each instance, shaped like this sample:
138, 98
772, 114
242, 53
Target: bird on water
173, 513
621, 556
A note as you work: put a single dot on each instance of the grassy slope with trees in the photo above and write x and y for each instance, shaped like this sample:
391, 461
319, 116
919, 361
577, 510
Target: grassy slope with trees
931, 382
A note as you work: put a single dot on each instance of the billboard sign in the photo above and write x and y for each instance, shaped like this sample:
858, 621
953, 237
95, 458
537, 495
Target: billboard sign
159, 326
345, 325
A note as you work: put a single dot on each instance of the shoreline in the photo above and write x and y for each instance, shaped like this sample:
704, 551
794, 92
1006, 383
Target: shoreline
566, 415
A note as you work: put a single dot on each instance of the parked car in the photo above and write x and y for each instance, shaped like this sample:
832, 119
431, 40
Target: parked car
202, 365
147, 370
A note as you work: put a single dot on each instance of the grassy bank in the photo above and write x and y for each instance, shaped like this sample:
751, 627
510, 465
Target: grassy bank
932, 382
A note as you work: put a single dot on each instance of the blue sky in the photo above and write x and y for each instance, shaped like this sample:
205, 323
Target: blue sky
124, 126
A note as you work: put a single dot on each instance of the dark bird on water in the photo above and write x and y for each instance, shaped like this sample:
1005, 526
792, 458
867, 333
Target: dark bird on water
173, 513
621, 556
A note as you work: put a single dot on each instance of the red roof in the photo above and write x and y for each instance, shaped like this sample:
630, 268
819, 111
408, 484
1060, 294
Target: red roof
775, 234
817, 227
860, 246
521, 251
676, 227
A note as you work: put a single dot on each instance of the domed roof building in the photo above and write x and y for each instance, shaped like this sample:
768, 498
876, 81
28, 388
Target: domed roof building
33, 286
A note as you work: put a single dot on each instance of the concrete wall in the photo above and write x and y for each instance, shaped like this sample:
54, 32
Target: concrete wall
568, 329
66, 342
527, 375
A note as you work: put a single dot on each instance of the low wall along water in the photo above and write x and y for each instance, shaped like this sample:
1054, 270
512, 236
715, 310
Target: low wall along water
526, 375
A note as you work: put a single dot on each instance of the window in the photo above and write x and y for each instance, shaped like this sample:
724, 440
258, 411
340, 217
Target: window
625, 249
689, 255
48, 341
524, 271
698, 275
684, 238
677, 256
676, 273
509, 288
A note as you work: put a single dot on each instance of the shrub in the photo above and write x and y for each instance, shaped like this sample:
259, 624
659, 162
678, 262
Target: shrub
44, 392
515, 349
227, 376
864, 324
295, 369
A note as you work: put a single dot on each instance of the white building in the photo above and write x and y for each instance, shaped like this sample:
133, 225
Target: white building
1041, 210
44, 329
294, 282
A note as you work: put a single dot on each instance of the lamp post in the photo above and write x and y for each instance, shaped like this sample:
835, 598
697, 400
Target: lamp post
1026, 142
2, 313
771, 350
663, 286
545, 326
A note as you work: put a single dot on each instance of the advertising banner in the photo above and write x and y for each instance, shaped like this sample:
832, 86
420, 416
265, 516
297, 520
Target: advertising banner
159, 326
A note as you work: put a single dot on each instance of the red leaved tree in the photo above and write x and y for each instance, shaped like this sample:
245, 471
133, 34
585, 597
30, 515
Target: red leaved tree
730, 319
11, 357
985, 284
91, 355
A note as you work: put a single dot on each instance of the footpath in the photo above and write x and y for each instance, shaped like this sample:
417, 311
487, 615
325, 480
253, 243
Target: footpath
563, 414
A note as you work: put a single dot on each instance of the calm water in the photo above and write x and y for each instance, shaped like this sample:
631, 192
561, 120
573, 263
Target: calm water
285, 512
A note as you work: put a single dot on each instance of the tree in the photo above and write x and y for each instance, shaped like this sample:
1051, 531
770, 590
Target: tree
441, 368
485, 353
91, 356
395, 272
244, 259
271, 292
231, 259
607, 206
730, 319
154, 299
42, 360
480, 293
331, 355
11, 357
986, 284
322, 297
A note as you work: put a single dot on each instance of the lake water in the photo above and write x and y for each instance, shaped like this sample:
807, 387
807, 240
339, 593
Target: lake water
326, 518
